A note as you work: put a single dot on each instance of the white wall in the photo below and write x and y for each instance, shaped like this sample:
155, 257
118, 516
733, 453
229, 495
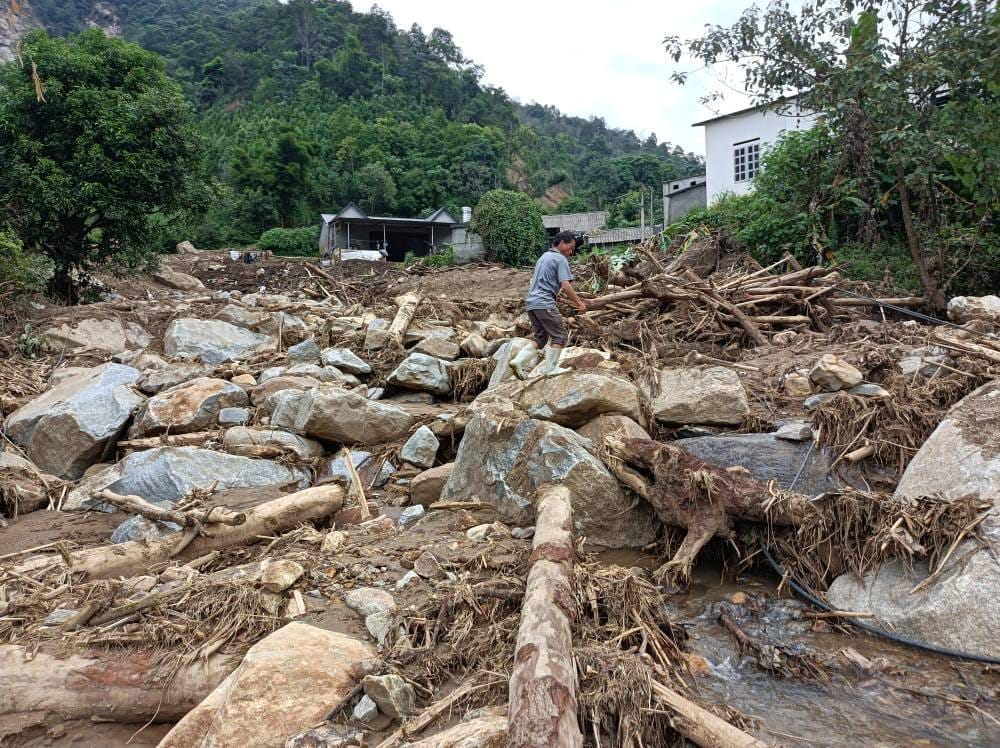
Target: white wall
722, 134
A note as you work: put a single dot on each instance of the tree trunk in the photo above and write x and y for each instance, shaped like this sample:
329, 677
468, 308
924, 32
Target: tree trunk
277, 515
543, 708
700, 725
111, 685
932, 291
408, 304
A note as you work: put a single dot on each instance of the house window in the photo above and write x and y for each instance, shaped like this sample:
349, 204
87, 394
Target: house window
746, 160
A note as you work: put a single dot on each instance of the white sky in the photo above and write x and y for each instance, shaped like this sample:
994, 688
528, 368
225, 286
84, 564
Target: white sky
599, 57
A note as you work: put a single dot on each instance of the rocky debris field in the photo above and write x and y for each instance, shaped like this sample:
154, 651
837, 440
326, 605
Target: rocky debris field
285, 504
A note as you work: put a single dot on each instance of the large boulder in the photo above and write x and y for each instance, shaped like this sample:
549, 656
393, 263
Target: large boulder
191, 406
766, 457
285, 684
338, 415
418, 371
426, 487
108, 336
482, 728
969, 308
69, 428
260, 393
421, 448
602, 427
503, 461
959, 609
712, 395
573, 398
173, 374
175, 279
501, 370
168, 473
211, 340
832, 373
269, 442
344, 359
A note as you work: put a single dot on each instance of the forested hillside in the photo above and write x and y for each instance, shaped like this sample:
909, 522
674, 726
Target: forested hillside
308, 104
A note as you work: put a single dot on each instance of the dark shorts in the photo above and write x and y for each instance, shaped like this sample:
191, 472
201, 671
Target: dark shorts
548, 326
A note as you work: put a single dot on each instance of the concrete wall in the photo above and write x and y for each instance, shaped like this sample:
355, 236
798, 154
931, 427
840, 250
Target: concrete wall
467, 245
721, 136
679, 205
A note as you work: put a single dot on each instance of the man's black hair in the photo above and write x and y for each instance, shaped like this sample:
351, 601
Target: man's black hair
566, 236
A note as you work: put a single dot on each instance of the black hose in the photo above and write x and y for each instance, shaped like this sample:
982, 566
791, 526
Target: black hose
801, 591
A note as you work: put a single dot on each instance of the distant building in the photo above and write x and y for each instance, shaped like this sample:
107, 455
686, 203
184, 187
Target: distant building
353, 234
584, 222
682, 196
734, 142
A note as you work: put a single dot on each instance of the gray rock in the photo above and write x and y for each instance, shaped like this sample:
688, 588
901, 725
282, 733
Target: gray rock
833, 373
239, 316
419, 371
767, 457
211, 340
59, 616
867, 389
306, 352
180, 281
428, 567
426, 488
101, 335
141, 528
292, 329
814, 401
604, 426
173, 374
409, 578
502, 357
345, 360
475, 345
421, 448
571, 399
522, 533
191, 406
335, 414
270, 373
168, 473
379, 625
700, 395
503, 462
69, 428
795, 431
438, 347
411, 515
959, 610
368, 600
365, 710
375, 393
247, 441
326, 736
967, 308
376, 335
403, 398
924, 361
233, 416
393, 695
366, 465
324, 374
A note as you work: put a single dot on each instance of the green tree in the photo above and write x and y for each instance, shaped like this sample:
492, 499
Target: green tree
572, 204
510, 224
879, 72
378, 188
96, 151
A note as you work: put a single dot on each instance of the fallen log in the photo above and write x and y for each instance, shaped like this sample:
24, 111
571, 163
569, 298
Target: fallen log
542, 694
702, 498
699, 725
269, 518
408, 304
194, 439
138, 505
106, 685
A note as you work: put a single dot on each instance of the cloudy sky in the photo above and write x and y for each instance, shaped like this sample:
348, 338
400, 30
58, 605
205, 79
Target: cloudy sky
602, 57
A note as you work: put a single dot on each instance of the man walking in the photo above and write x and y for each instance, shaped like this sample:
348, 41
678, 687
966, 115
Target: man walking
552, 275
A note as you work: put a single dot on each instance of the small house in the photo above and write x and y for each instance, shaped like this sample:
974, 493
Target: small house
735, 142
682, 196
353, 234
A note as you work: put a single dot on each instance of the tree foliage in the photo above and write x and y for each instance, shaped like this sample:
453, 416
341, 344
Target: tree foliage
396, 119
510, 224
302, 242
908, 91
98, 152
20, 273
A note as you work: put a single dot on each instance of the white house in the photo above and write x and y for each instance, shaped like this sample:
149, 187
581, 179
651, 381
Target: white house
734, 142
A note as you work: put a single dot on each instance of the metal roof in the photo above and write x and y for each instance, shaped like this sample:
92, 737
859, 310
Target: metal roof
748, 110
351, 212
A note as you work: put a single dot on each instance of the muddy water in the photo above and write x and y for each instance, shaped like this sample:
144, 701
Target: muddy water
853, 708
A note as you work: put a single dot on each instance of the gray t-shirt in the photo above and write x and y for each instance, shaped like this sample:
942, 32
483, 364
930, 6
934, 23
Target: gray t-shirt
551, 270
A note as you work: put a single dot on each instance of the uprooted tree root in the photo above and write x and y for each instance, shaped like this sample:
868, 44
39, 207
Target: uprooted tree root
623, 642
855, 532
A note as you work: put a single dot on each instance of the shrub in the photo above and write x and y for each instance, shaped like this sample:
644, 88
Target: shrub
21, 273
303, 242
510, 224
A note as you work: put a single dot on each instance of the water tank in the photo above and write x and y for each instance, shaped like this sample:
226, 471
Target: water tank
466, 214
